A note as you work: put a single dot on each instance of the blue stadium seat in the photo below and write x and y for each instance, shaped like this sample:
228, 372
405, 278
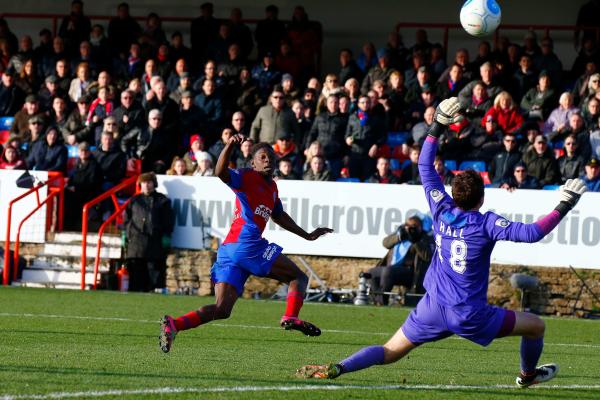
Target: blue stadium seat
6, 123
450, 165
559, 144
73, 151
396, 138
395, 164
551, 187
478, 166
347, 180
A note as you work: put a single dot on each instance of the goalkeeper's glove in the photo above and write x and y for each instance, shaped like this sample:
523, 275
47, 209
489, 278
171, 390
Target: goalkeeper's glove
570, 193
447, 112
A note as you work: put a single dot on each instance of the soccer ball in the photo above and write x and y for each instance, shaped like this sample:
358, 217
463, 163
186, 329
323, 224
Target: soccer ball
480, 17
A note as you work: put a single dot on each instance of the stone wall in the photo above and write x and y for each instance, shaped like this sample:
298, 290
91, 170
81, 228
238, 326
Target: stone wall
189, 271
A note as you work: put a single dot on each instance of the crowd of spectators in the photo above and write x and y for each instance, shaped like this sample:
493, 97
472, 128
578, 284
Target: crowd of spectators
104, 96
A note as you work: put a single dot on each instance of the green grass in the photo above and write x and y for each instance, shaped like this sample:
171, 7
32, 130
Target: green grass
56, 341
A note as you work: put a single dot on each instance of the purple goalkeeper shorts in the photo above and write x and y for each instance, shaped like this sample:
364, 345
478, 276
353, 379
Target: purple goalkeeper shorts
431, 321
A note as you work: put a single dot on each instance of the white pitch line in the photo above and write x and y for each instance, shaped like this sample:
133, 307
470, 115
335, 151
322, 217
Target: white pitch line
290, 388
242, 326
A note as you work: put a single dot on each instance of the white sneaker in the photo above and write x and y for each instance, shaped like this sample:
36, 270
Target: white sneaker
543, 373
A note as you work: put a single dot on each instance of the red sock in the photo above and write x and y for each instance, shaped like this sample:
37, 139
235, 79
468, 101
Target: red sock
294, 304
188, 321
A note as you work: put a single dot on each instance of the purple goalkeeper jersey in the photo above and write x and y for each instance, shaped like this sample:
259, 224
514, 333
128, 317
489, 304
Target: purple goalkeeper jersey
459, 270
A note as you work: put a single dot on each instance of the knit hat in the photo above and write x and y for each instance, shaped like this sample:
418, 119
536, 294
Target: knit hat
203, 155
195, 137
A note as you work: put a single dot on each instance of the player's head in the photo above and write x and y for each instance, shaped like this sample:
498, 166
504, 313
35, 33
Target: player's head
467, 190
263, 159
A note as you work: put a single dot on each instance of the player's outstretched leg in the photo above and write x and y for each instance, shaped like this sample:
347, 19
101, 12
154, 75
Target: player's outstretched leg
531, 329
225, 298
284, 270
396, 348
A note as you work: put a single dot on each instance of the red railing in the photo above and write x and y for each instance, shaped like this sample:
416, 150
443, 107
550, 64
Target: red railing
112, 193
446, 28
56, 186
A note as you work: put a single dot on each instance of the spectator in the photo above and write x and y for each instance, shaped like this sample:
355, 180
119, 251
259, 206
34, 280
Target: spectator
30, 109
329, 129
28, 79
383, 174
210, 106
80, 85
580, 89
11, 96
364, 135
218, 146
178, 50
503, 117
163, 61
486, 71
559, 117
60, 118
537, 102
289, 89
367, 58
520, 179
575, 126
416, 87
591, 113
461, 59
284, 147
57, 52
100, 108
75, 125
285, 170
245, 155
196, 146
273, 118
47, 93
230, 68
419, 131
245, 94
190, 116
410, 251
269, 32
437, 61
34, 131
446, 176
541, 163
11, 159
167, 107
348, 67
570, 165
149, 223
129, 114
111, 160
381, 71
100, 47
150, 144
218, 47
63, 76
48, 154
317, 171
266, 76
477, 104
593, 87
549, 61
592, 175
204, 30
85, 55
595, 143
238, 123
178, 167
240, 33
153, 35
503, 163
75, 27
451, 86
205, 165
410, 173
184, 85
85, 182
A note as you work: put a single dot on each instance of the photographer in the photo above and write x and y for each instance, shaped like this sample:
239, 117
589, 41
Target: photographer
406, 262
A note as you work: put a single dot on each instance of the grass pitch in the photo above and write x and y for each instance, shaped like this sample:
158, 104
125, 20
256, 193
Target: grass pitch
65, 344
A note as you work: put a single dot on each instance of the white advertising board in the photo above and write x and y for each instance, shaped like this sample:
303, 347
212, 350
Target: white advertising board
34, 229
362, 214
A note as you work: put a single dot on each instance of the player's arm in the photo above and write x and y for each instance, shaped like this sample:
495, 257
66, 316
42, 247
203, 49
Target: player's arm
222, 167
445, 114
283, 219
570, 193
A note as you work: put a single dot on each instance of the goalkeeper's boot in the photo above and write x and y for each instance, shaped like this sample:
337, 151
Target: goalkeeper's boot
305, 327
542, 373
167, 333
328, 371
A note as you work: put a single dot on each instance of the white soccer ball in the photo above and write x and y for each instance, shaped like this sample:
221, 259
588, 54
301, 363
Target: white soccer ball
480, 17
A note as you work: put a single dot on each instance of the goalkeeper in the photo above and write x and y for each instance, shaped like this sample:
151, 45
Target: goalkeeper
457, 279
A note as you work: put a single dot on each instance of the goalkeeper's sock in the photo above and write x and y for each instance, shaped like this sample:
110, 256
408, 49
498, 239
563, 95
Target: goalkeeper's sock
531, 350
364, 358
294, 304
188, 321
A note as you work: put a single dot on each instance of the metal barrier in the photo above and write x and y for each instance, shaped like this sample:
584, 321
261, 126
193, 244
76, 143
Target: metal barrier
112, 193
56, 186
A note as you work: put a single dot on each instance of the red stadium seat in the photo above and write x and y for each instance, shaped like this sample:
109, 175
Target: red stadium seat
134, 167
486, 178
384, 151
4, 135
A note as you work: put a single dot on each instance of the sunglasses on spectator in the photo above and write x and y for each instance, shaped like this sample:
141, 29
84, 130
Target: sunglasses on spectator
277, 97
595, 81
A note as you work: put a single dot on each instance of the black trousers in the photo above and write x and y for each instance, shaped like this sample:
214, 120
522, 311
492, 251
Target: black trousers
146, 275
383, 279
